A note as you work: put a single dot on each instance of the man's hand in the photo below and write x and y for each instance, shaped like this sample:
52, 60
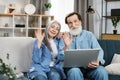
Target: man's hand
93, 64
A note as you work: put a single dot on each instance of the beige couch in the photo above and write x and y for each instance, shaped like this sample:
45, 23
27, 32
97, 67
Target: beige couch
19, 50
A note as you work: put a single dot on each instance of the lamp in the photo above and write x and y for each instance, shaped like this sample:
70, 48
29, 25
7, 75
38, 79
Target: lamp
91, 10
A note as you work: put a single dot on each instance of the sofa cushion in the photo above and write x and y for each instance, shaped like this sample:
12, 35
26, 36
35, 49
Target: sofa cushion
116, 58
113, 68
114, 77
110, 47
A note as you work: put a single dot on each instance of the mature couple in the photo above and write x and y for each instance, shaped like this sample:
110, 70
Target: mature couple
48, 52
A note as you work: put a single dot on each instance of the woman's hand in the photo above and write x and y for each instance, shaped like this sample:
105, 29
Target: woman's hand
67, 40
93, 64
40, 36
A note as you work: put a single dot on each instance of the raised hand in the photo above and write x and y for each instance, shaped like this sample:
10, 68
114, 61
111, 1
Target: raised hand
67, 40
40, 36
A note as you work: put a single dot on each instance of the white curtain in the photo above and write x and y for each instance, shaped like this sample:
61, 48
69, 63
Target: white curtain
80, 7
39, 4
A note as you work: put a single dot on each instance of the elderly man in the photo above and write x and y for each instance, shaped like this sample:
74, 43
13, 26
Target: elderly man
83, 39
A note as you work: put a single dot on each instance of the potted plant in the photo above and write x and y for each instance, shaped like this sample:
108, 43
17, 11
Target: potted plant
115, 20
6, 72
47, 5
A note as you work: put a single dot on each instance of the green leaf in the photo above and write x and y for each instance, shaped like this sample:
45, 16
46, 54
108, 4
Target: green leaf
115, 20
48, 5
7, 70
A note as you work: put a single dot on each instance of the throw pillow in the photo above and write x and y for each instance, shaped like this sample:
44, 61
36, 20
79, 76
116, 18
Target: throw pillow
116, 58
113, 68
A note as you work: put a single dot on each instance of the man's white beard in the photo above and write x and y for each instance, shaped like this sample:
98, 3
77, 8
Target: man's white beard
76, 31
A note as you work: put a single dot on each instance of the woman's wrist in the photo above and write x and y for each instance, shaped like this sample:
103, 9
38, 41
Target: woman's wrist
39, 44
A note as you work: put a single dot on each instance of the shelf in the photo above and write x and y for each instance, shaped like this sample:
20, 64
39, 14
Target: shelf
34, 28
107, 7
25, 15
110, 16
112, 0
111, 36
18, 25
6, 27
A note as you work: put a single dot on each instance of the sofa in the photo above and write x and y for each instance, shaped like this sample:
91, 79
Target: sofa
20, 52
110, 47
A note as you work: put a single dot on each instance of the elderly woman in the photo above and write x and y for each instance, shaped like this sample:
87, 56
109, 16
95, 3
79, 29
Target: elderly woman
47, 55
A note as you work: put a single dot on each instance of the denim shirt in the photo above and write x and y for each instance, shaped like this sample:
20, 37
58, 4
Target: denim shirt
86, 40
41, 58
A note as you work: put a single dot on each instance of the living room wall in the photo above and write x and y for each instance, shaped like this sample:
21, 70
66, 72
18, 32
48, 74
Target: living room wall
19, 4
59, 9
98, 7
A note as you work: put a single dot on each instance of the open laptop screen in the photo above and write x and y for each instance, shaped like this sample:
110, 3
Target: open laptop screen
80, 57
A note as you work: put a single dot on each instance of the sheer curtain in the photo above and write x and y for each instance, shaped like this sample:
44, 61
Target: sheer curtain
39, 4
89, 20
80, 6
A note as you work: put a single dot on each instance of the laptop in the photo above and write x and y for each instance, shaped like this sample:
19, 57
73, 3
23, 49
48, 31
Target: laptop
80, 57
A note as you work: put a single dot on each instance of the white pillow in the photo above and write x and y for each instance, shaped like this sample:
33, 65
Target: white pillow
116, 58
114, 67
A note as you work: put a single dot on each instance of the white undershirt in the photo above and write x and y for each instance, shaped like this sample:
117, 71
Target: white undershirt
54, 52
